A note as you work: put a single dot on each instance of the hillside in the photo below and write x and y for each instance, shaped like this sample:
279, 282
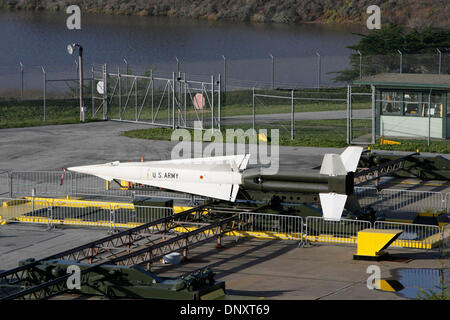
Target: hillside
409, 13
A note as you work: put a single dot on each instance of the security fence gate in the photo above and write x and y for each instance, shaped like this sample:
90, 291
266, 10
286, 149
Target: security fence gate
169, 102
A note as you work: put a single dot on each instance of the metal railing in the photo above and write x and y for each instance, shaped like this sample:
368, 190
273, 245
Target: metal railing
85, 213
401, 201
317, 229
270, 226
4, 183
53, 183
447, 203
414, 235
258, 225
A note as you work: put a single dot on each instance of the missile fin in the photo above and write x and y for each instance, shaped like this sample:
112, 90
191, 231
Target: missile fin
332, 205
350, 158
332, 165
244, 162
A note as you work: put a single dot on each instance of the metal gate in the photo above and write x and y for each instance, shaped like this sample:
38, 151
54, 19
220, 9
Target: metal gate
173, 103
99, 92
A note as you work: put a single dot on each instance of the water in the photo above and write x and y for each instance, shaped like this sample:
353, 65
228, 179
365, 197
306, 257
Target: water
40, 38
417, 280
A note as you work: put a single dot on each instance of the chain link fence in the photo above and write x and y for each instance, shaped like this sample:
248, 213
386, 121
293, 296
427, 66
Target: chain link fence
50, 93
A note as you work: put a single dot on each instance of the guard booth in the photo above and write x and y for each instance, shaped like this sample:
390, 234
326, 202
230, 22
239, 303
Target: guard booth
411, 105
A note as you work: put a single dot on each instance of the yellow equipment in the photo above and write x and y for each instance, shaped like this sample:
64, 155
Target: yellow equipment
373, 242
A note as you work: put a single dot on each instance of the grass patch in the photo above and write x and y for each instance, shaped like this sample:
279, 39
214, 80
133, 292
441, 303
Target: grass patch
16, 114
311, 133
317, 133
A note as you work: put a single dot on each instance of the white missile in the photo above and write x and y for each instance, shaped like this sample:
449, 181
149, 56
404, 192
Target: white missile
215, 177
221, 177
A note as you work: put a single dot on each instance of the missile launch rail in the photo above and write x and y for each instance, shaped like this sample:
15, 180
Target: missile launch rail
143, 245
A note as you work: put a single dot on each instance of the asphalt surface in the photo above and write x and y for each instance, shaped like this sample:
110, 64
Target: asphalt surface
273, 269
61, 146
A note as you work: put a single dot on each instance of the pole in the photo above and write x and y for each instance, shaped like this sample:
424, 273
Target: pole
136, 98
440, 60
120, 92
45, 93
401, 61
105, 91
153, 92
293, 115
224, 75
212, 103
351, 114
348, 114
173, 101
93, 91
80, 67
273, 70
373, 114
319, 69
126, 78
21, 81
253, 108
360, 65
178, 65
429, 118
219, 102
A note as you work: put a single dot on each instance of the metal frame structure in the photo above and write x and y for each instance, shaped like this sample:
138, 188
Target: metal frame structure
178, 92
131, 247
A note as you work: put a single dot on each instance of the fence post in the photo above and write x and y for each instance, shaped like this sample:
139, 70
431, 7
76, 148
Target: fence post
10, 179
45, 92
93, 91
219, 103
50, 216
293, 116
173, 101
360, 65
440, 60
212, 103
401, 61
374, 97
273, 70
136, 98
112, 218
253, 109
21, 81
319, 69
224, 76
348, 114
120, 92
105, 93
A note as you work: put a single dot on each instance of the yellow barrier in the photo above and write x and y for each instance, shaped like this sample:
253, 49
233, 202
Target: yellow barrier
373, 242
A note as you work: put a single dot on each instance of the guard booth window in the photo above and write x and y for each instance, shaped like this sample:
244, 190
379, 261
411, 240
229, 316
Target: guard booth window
391, 102
437, 105
412, 102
